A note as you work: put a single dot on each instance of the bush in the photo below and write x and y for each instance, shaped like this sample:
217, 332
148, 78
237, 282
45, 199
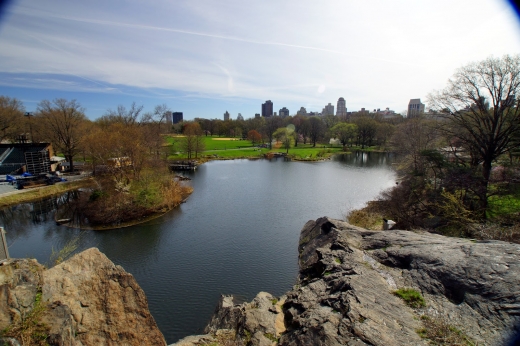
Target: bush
365, 219
441, 332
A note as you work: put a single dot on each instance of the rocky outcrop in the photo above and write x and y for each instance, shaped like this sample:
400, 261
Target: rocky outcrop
260, 322
348, 277
86, 300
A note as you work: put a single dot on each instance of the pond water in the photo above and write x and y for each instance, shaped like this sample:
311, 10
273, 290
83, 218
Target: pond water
237, 233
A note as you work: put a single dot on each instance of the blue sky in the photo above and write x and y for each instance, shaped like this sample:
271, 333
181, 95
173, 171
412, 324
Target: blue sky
205, 57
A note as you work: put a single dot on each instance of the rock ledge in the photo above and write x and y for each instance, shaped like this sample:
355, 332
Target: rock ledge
345, 291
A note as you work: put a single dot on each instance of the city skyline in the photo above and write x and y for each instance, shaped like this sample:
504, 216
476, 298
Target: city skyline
202, 58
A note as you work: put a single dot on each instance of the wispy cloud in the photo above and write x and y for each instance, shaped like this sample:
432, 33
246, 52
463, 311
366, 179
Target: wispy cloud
375, 54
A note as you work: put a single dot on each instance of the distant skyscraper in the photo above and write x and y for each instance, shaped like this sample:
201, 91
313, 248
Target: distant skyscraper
176, 117
240, 117
267, 109
341, 110
328, 110
257, 115
302, 111
415, 107
284, 112
226, 116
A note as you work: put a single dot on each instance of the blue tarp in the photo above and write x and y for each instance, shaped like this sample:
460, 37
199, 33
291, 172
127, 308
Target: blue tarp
27, 174
10, 178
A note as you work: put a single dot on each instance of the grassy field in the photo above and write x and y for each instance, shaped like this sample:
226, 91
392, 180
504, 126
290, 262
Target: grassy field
233, 148
503, 205
217, 143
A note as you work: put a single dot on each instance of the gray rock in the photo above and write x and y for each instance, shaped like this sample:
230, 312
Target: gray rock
346, 284
258, 323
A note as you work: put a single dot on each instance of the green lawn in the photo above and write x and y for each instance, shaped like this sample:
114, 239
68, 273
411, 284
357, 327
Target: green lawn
217, 143
231, 148
503, 205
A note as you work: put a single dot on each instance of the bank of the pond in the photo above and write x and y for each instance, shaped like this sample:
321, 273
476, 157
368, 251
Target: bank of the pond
303, 155
15, 197
30, 195
131, 223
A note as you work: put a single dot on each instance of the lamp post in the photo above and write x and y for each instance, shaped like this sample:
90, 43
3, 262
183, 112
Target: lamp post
29, 115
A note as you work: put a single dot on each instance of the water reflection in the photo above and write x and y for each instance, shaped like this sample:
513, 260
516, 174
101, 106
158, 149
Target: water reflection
365, 159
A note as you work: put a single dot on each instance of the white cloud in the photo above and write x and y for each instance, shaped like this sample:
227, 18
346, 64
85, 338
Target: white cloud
375, 54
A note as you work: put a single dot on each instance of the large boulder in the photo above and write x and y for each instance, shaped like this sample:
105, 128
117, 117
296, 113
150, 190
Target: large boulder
258, 323
86, 300
348, 277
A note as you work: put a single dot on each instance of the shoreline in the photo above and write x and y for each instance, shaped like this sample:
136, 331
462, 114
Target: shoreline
123, 225
39, 193
30, 195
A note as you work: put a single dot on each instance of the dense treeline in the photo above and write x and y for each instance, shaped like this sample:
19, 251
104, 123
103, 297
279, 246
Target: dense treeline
459, 166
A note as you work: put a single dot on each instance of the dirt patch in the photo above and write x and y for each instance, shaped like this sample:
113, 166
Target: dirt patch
226, 139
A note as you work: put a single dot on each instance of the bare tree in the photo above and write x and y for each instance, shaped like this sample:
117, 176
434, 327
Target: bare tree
155, 123
316, 129
271, 125
367, 128
122, 115
11, 117
193, 141
481, 105
62, 121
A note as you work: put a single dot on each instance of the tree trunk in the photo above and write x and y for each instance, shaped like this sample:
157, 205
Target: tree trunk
71, 163
486, 173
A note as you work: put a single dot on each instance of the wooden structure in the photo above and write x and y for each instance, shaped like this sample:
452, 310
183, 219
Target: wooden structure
183, 166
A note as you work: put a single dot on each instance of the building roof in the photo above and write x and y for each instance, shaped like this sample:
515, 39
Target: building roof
8, 169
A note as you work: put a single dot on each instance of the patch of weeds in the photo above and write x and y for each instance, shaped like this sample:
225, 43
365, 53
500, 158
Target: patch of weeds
440, 332
271, 337
67, 250
327, 273
247, 338
411, 297
337, 260
361, 319
274, 301
30, 330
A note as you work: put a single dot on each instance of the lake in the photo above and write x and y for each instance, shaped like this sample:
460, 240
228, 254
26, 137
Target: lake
236, 234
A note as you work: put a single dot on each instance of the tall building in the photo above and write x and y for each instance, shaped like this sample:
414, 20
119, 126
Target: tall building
341, 110
176, 117
415, 107
240, 117
267, 109
302, 111
328, 110
257, 115
226, 116
284, 112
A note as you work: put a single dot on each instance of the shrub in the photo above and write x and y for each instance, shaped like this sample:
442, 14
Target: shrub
441, 332
365, 219
411, 297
